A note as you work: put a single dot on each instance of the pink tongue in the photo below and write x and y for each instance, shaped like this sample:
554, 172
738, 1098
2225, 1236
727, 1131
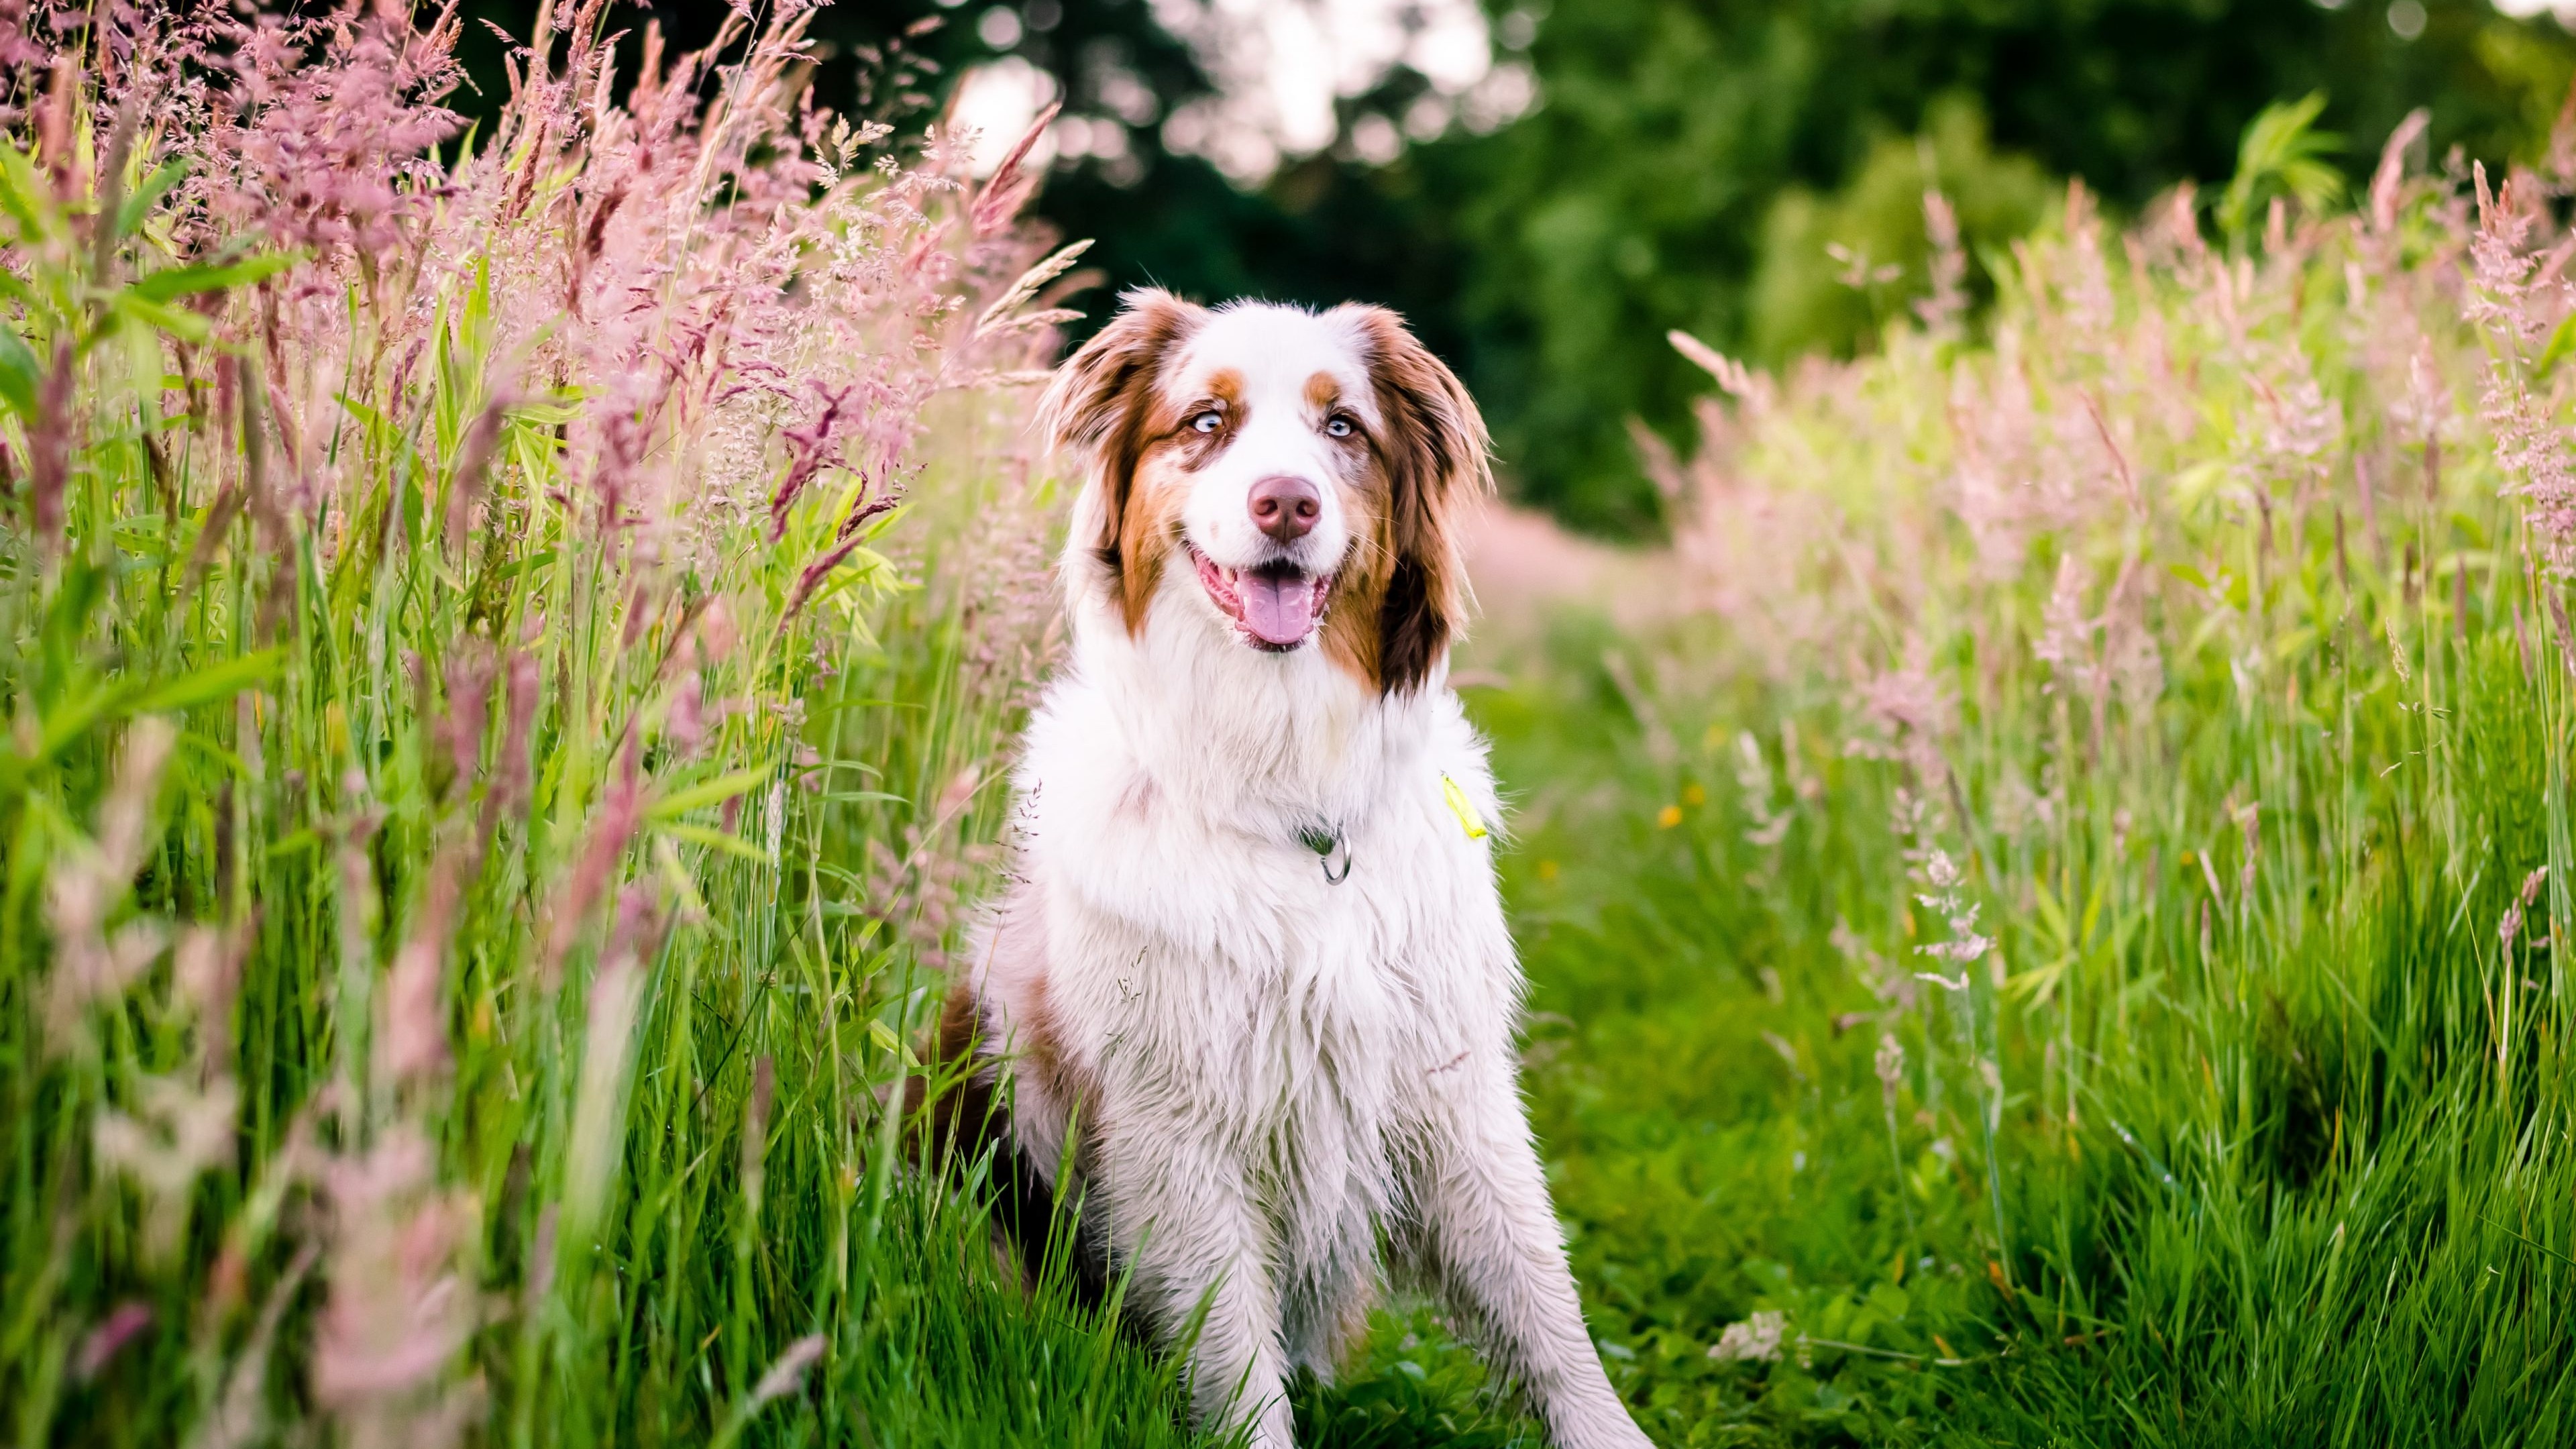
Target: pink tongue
1280, 611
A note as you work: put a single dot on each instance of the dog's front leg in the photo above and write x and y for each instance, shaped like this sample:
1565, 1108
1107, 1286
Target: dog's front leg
1200, 1238
1489, 1241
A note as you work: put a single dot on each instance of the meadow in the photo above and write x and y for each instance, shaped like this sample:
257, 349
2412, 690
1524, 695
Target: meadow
2045, 934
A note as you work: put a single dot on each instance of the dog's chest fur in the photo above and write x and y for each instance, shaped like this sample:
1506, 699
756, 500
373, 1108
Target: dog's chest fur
1180, 953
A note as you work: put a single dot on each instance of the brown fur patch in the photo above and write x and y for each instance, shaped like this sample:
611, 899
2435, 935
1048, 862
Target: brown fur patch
960, 1119
1193, 449
1041, 1046
968, 1121
1148, 528
1359, 590
1351, 618
1105, 405
1322, 391
1430, 452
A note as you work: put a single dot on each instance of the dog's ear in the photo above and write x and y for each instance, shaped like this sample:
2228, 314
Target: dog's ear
1437, 462
1100, 402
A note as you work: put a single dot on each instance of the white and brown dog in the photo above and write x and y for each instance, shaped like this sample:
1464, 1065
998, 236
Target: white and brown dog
1253, 988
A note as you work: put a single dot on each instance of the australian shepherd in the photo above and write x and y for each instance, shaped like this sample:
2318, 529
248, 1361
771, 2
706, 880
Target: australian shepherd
1251, 993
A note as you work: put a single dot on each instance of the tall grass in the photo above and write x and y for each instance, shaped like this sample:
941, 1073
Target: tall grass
502, 693
2067, 941
508, 639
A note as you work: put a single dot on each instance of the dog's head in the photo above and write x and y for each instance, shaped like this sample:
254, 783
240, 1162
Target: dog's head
1308, 468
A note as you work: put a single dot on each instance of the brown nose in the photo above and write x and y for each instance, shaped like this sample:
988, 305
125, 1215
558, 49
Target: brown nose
1286, 507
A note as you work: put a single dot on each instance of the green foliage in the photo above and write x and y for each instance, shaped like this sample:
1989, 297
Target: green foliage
1835, 269
2282, 154
1641, 196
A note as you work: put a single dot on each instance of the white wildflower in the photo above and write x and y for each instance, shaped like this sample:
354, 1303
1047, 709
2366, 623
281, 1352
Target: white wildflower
1755, 1340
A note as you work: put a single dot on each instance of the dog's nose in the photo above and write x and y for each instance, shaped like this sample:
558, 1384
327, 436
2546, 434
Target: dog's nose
1286, 507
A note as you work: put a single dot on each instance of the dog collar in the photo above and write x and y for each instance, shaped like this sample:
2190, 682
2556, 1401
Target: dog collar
1333, 846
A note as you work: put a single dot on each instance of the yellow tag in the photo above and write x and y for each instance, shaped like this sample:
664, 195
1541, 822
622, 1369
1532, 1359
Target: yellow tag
1459, 807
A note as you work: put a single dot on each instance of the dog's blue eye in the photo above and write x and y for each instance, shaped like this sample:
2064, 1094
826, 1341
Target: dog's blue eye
1338, 427
1208, 422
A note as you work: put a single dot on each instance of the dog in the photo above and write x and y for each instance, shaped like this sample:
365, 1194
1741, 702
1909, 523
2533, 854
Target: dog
1250, 999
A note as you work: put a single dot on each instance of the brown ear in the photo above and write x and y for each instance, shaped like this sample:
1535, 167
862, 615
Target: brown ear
1099, 406
1436, 456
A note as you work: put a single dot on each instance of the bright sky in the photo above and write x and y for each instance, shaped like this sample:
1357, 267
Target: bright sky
1279, 66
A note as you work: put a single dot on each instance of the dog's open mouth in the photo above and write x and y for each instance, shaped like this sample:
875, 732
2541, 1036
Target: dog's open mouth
1275, 605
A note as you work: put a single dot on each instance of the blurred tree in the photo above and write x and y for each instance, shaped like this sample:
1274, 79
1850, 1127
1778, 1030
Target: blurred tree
1692, 157
1156, 215
1835, 268
1324, 229
1688, 164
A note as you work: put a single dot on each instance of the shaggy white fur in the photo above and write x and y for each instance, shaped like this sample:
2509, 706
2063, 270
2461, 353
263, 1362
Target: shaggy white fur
1276, 1070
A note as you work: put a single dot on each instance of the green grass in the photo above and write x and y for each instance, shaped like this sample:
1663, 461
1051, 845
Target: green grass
2243, 1127
2302, 1204
453, 978
461, 928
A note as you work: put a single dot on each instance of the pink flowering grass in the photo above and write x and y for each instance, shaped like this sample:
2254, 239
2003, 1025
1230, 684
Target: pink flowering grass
2146, 1021
508, 641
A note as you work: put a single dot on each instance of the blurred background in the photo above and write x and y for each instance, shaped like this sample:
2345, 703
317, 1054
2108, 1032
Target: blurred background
1545, 189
